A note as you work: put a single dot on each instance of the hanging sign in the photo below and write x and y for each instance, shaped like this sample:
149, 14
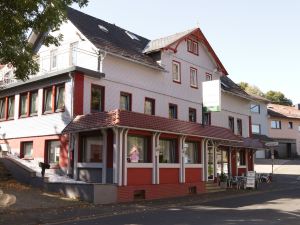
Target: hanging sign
211, 92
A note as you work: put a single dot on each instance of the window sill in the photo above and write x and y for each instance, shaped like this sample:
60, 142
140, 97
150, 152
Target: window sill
193, 165
242, 167
169, 165
139, 165
1, 120
177, 81
195, 87
59, 110
23, 116
33, 114
194, 53
89, 165
48, 112
10, 118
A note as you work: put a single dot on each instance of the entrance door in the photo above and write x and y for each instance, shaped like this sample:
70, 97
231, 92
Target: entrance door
210, 163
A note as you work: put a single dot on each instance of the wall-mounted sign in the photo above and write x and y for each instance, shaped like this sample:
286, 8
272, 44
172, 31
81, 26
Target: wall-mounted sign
211, 92
271, 144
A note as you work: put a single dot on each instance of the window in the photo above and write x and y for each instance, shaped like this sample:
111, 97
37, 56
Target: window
59, 97
240, 127
192, 46
192, 115
33, 103
290, 125
176, 72
208, 77
23, 104
231, 123
137, 149
207, 118
74, 49
92, 149
173, 111
125, 101
192, 153
27, 150
276, 124
255, 108
53, 151
11, 107
53, 59
193, 77
256, 128
149, 106
2, 108
48, 100
97, 98
167, 152
241, 158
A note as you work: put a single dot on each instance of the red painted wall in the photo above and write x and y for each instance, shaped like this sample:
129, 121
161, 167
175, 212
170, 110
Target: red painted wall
39, 146
250, 160
139, 176
169, 176
242, 171
78, 94
193, 175
125, 193
233, 162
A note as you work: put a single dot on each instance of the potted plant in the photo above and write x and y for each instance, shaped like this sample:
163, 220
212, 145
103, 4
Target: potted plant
223, 180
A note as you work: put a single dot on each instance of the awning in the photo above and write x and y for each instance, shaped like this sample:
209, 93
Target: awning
134, 120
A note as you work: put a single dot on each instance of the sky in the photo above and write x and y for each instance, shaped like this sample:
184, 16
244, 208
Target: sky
258, 41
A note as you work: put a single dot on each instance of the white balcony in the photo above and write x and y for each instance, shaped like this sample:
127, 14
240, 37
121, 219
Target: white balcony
55, 61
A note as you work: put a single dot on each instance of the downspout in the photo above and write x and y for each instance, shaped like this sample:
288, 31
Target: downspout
101, 57
72, 95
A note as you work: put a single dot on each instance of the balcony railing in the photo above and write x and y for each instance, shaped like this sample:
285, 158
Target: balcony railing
54, 61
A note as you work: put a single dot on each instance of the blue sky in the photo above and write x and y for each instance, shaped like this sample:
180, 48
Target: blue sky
257, 41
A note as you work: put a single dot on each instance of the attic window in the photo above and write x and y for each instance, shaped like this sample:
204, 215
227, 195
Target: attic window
104, 29
132, 36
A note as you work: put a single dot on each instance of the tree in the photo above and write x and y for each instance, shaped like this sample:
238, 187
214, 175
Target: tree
278, 97
18, 19
251, 89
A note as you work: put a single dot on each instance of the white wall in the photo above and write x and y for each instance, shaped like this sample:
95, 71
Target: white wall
261, 118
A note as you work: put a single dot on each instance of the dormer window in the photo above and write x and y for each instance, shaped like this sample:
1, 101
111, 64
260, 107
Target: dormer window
192, 46
103, 28
132, 36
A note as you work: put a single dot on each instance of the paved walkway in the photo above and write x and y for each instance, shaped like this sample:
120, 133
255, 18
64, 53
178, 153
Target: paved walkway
288, 167
19, 197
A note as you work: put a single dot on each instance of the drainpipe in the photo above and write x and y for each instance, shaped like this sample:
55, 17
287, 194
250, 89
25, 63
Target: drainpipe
101, 56
72, 94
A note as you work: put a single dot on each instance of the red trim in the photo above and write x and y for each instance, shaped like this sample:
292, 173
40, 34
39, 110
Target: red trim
177, 81
122, 93
102, 88
139, 133
152, 100
78, 94
200, 37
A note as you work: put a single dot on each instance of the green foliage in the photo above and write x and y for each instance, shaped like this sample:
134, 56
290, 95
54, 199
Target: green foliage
223, 177
18, 18
252, 89
278, 97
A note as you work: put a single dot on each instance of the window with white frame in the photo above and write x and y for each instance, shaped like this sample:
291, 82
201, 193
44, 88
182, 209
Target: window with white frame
92, 149
192, 46
53, 150
176, 72
193, 77
208, 77
137, 149
53, 59
11, 107
255, 128
167, 152
192, 153
60, 97
33, 108
255, 108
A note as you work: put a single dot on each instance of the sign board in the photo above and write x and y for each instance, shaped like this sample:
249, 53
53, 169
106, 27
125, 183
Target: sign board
211, 92
271, 144
250, 179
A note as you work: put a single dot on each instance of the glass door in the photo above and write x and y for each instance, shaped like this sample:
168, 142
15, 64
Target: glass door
210, 163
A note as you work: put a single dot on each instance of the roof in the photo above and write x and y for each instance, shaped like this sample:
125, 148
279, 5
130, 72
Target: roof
262, 137
115, 41
134, 120
166, 42
283, 111
259, 98
229, 86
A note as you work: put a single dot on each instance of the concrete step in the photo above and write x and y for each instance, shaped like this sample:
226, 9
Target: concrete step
212, 187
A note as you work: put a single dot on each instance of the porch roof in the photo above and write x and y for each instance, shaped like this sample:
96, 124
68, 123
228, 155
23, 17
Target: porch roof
140, 121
